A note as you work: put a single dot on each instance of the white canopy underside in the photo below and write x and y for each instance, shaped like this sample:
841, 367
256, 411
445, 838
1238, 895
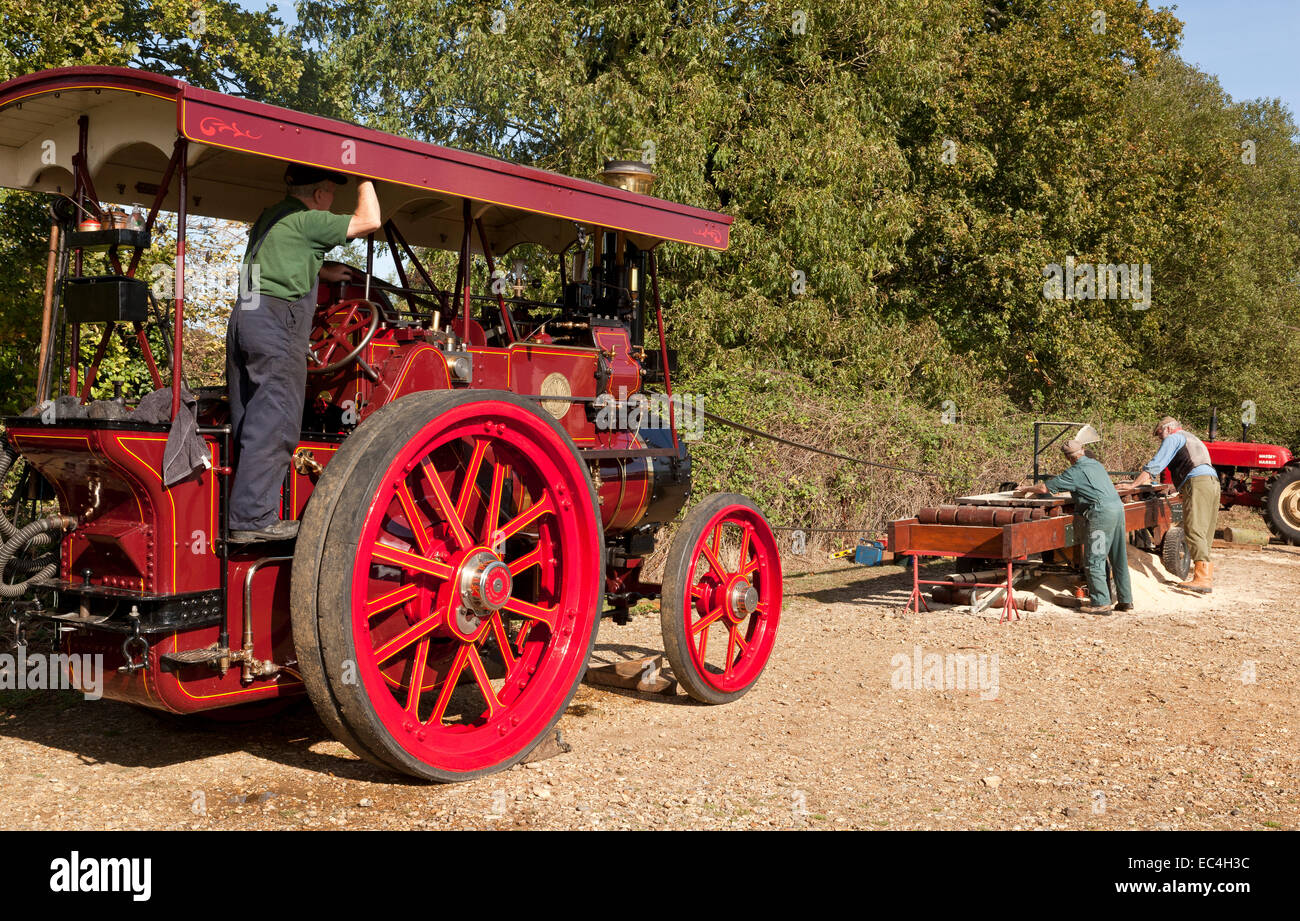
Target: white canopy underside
130, 140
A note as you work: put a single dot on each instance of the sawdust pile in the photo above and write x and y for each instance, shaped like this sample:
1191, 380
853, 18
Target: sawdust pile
1154, 587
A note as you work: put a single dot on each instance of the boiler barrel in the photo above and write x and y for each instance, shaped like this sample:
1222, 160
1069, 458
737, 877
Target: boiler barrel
644, 490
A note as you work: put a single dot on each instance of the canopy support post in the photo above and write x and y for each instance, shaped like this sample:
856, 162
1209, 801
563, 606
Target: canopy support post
53, 269
178, 323
464, 269
506, 322
79, 179
663, 349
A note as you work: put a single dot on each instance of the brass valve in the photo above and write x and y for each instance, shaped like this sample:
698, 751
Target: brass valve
306, 464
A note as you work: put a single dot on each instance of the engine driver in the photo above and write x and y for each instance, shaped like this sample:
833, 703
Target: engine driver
268, 335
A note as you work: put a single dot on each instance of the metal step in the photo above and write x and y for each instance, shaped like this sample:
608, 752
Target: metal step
77, 619
210, 655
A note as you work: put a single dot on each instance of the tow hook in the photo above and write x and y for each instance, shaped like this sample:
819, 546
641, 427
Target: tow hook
132, 644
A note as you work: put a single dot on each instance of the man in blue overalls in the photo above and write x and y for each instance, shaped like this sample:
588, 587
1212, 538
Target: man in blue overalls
268, 334
1096, 502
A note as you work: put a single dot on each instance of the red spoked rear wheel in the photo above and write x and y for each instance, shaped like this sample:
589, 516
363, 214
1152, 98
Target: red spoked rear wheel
721, 602
467, 589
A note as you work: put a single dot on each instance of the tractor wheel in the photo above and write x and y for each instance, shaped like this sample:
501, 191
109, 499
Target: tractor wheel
457, 583
1284, 504
721, 599
1173, 553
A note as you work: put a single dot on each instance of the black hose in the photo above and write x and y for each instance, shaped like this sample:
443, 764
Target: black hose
9, 528
37, 533
22, 565
7, 454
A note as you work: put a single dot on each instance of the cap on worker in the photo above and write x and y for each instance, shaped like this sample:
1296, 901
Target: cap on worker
1072, 448
302, 174
1168, 422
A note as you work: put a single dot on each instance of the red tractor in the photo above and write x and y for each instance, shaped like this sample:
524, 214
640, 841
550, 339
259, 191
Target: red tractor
475, 480
1258, 476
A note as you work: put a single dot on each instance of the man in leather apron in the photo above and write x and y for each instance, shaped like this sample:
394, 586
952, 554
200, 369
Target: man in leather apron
1193, 473
268, 334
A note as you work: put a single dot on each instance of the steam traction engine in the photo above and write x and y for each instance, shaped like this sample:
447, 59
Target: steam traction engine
471, 497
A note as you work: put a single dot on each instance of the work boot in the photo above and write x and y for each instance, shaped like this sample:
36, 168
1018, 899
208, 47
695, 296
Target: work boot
1096, 608
281, 530
1124, 606
1200, 580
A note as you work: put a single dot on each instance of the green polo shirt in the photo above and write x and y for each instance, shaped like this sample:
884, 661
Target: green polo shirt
295, 248
1089, 483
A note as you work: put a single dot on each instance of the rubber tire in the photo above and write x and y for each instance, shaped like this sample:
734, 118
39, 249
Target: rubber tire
672, 615
1276, 520
342, 705
305, 578
1174, 553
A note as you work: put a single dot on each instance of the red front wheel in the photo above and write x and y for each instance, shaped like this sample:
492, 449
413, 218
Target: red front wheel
458, 573
721, 599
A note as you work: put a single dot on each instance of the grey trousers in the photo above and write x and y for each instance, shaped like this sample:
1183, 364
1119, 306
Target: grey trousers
266, 373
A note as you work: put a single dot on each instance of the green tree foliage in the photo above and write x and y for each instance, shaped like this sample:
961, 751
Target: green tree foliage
916, 166
212, 44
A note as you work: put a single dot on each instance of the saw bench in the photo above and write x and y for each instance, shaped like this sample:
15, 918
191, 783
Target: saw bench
1009, 530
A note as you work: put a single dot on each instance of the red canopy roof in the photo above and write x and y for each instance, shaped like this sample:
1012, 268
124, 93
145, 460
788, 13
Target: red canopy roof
239, 147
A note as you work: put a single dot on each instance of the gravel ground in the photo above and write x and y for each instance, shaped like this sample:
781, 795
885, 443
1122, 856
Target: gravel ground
1182, 717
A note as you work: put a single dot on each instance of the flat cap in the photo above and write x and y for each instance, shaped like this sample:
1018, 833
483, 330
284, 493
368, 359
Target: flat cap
1167, 422
302, 174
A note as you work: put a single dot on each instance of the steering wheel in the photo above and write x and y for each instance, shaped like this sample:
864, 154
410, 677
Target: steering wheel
339, 334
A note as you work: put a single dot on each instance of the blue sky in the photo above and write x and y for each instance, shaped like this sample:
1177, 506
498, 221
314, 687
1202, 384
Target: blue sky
283, 7
1251, 45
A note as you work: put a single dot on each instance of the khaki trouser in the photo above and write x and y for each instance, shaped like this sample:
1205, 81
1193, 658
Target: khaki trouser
1200, 495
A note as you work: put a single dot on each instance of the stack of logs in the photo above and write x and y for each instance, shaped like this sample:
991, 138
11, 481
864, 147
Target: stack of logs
1001, 508
957, 594
983, 514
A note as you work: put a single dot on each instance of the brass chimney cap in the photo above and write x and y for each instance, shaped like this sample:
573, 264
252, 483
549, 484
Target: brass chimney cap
629, 175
